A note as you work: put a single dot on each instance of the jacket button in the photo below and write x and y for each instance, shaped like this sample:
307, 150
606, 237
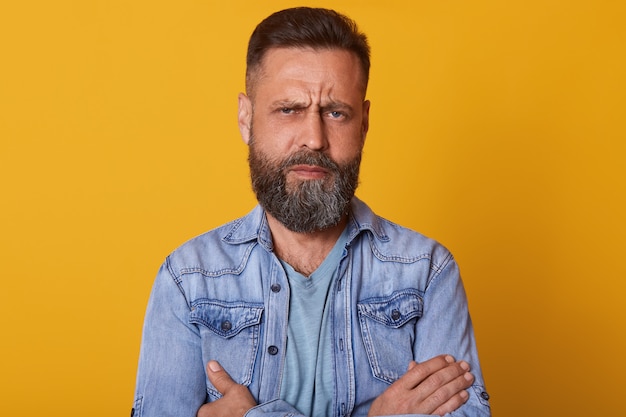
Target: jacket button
395, 315
272, 350
226, 325
275, 287
484, 395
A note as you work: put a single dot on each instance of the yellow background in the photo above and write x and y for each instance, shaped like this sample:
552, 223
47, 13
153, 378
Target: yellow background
497, 127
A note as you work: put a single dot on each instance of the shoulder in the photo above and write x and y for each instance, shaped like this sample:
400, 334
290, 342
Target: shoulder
218, 251
392, 242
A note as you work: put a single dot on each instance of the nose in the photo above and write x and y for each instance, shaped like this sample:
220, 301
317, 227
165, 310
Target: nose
313, 133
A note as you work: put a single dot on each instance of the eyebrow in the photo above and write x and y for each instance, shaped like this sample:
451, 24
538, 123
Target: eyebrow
331, 105
287, 103
337, 105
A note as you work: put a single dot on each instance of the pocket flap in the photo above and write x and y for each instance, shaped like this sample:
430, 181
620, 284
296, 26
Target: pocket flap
394, 310
226, 319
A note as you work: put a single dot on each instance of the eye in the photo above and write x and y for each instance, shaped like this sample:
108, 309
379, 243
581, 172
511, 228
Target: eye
335, 114
286, 110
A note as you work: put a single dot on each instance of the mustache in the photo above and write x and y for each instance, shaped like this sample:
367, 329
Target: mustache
305, 157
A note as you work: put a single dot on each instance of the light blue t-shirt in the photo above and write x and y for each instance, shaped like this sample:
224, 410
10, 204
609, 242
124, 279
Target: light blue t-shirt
308, 376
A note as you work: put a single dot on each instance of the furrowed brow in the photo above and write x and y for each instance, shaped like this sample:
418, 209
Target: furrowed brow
289, 104
337, 105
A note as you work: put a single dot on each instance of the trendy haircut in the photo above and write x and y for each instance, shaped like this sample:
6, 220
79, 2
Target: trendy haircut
305, 27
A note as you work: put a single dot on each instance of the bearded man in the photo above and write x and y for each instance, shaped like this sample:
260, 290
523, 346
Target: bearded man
311, 305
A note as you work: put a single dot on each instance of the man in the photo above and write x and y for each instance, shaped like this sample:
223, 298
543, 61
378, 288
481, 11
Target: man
311, 305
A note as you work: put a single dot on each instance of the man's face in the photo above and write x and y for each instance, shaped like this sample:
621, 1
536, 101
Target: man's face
305, 124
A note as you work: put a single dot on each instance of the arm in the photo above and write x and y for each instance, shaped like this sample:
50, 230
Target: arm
170, 376
171, 381
434, 387
445, 326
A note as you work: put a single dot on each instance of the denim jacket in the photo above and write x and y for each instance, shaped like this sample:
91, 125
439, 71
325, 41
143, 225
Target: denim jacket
224, 295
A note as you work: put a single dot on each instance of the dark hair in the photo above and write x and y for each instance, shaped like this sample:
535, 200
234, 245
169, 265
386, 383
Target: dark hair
302, 27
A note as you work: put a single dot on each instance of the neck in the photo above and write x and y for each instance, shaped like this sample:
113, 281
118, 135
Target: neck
305, 252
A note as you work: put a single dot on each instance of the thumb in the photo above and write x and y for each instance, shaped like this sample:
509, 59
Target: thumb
219, 377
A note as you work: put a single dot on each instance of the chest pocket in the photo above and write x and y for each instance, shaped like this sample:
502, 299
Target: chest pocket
388, 331
230, 334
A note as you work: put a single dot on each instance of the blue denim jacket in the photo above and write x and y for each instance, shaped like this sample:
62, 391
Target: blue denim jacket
224, 296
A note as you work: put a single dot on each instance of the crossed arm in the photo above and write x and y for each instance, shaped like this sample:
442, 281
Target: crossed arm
436, 386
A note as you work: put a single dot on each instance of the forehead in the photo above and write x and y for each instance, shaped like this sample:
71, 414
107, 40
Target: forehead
313, 66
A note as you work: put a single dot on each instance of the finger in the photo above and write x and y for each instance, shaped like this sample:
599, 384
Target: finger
452, 404
450, 396
459, 398
442, 385
205, 410
444, 376
219, 377
421, 371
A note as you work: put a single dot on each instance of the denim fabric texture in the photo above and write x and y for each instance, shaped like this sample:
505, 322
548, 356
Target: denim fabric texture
224, 296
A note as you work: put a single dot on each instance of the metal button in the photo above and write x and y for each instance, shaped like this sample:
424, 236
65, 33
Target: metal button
272, 350
275, 288
226, 325
484, 395
395, 315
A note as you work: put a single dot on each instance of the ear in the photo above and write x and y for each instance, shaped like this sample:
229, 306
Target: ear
245, 117
365, 123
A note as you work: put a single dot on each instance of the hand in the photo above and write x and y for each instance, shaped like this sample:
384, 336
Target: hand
436, 386
236, 399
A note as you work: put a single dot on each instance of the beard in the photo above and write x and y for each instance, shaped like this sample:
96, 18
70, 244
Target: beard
303, 206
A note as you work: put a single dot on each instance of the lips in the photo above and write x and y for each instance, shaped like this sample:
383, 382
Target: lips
309, 171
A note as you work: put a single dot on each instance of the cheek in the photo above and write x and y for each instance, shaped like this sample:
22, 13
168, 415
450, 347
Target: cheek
271, 135
347, 145
345, 154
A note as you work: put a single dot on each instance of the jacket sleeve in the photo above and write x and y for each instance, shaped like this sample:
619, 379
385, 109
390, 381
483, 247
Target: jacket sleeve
446, 328
170, 378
